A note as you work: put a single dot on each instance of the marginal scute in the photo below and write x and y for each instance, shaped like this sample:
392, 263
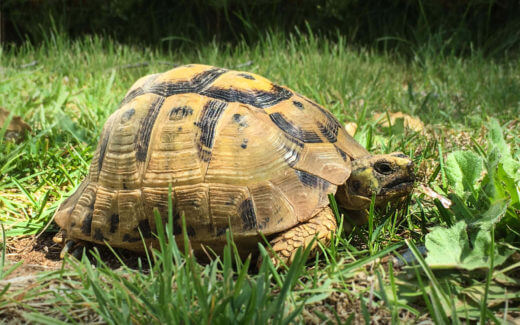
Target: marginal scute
273, 209
325, 161
343, 141
248, 215
114, 222
306, 136
98, 235
225, 205
78, 224
192, 201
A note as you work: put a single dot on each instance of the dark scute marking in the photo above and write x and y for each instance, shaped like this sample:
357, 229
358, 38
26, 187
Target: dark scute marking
211, 113
204, 154
87, 224
244, 144
98, 235
289, 128
191, 231
256, 98
145, 129
299, 143
178, 113
292, 157
312, 181
298, 104
127, 115
114, 223
329, 131
144, 226
221, 231
331, 119
246, 75
103, 147
307, 179
133, 94
248, 215
342, 153
240, 120
201, 84
195, 85
324, 186
264, 223
130, 239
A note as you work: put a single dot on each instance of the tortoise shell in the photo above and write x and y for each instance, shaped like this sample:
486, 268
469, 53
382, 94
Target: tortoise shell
236, 149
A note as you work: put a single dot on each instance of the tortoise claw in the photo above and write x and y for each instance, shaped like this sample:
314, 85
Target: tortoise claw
59, 238
66, 248
73, 248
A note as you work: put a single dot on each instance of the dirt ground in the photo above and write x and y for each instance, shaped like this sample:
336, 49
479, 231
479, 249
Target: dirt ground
36, 253
41, 253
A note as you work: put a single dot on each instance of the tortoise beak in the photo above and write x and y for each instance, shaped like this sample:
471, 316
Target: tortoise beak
402, 182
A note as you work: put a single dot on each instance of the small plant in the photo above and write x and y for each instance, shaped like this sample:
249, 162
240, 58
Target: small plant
483, 188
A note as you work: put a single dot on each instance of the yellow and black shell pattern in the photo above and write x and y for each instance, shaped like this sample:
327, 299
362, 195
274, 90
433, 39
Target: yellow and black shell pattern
237, 150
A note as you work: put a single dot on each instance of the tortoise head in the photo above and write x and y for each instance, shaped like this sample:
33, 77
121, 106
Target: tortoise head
388, 177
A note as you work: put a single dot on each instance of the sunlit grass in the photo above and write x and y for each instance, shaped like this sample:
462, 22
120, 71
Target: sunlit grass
66, 89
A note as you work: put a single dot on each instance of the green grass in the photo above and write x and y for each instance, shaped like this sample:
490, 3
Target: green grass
66, 89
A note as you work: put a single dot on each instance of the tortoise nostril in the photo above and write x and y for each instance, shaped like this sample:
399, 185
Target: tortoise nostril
383, 168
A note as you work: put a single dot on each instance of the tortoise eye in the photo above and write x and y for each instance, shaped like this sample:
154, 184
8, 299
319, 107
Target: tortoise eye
383, 167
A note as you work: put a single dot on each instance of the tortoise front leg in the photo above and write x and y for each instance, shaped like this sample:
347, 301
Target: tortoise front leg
321, 225
70, 246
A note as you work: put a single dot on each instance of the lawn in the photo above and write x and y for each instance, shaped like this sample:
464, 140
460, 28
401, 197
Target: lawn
464, 211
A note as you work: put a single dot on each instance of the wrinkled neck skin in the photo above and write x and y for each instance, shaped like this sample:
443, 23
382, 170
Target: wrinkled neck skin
387, 177
355, 206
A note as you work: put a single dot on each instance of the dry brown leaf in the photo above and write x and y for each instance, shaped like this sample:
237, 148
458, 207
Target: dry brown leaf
16, 127
413, 123
351, 128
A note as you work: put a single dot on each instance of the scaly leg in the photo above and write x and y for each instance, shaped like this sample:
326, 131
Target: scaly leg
70, 246
321, 225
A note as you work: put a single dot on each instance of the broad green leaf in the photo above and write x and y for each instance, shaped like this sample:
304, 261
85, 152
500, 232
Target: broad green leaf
491, 216
466, 245
446, 245
499, 145
496, 138
463, 169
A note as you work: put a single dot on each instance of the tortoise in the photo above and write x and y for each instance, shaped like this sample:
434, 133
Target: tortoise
234, 150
